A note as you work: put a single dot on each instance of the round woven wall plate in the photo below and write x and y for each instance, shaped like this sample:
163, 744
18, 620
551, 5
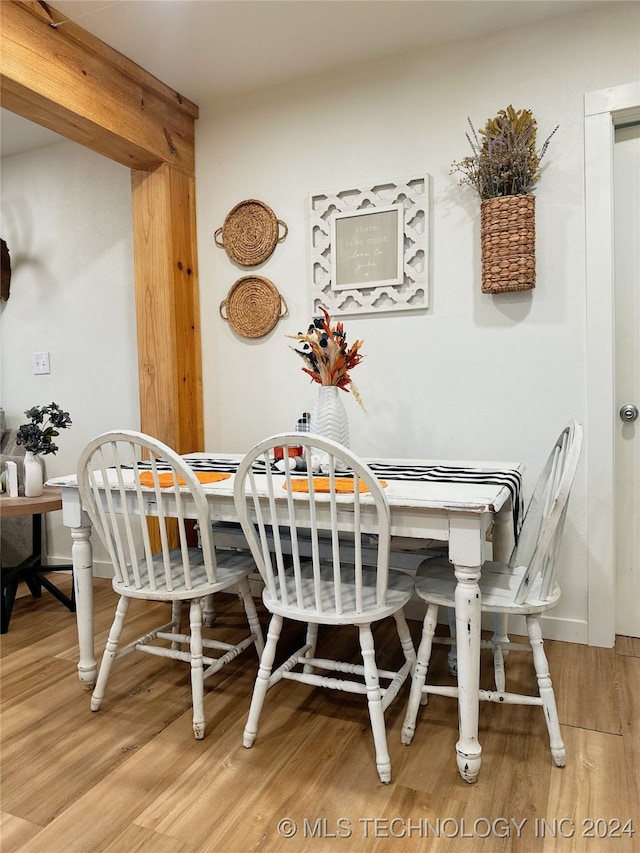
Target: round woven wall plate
250, 233
253, 306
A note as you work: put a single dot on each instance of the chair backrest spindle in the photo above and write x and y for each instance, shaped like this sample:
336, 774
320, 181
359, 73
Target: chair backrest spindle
126, 478
541, 535
275, 503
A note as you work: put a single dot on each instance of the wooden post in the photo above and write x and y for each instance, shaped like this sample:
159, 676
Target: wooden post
167, 306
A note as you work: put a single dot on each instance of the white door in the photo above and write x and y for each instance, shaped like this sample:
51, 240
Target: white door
626, 170
604, 109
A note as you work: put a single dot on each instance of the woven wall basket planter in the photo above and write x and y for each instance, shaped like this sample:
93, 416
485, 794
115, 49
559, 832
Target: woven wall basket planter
250, 233
508, 240
253, 306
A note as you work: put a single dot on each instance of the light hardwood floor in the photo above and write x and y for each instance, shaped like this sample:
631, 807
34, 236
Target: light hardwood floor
132, 778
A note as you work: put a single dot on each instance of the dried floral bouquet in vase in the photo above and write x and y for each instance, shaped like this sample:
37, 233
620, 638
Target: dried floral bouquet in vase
506, 161
328, 360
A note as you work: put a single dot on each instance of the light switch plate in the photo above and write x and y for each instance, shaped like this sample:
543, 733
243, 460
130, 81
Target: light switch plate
41, 363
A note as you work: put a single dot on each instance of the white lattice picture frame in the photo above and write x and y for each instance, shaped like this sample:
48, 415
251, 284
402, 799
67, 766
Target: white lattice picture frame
368, 248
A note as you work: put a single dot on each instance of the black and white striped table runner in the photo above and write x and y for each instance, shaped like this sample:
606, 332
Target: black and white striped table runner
509, 478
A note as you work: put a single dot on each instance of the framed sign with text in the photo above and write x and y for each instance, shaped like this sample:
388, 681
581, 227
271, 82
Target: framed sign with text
369, 248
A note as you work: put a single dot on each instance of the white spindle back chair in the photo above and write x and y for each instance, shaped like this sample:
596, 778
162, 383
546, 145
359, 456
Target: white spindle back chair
525, 586
332, 585
126, 478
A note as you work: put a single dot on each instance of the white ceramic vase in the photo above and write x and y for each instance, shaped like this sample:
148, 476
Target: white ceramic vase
32, 475
329, 417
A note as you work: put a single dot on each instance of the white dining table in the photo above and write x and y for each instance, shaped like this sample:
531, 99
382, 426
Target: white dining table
456, 512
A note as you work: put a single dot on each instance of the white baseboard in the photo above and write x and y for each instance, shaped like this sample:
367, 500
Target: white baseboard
100, 569
553, 627
104, 570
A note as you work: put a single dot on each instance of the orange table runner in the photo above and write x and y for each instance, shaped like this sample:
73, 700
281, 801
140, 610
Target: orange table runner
322, 484
165, 481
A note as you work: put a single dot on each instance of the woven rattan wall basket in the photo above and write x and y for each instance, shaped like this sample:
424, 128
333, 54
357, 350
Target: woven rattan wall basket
508, 240
250, 233
253, 306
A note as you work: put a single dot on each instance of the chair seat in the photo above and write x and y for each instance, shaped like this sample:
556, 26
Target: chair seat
231, 565
436, 583
399, 593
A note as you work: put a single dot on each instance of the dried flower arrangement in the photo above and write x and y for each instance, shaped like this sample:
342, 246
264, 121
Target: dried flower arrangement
506, 161
327, 356
38, 435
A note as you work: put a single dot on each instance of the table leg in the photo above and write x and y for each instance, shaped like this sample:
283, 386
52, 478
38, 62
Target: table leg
467, 533
468, 616
208, 611
82, 557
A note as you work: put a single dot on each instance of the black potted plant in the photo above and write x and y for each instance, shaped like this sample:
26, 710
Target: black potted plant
37, 438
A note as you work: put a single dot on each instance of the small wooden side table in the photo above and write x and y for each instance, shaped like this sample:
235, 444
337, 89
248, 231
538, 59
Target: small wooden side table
31, 570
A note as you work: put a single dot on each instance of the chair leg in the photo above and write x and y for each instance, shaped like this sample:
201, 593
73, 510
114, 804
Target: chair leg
262, 681
109, 653
500, 625
545, 688
176, 619
405, 637
406, 670
374, 702
420, 673
312, 642
197, 667
244, 591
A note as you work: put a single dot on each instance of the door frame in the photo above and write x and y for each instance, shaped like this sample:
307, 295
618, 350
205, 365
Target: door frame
603, 110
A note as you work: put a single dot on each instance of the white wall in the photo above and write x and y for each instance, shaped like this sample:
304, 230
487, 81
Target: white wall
475, 376
66, 218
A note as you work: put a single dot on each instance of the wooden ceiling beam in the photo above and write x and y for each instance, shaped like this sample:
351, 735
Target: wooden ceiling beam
61, 77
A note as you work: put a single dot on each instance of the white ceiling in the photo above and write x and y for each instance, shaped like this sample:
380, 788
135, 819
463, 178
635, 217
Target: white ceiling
212, 49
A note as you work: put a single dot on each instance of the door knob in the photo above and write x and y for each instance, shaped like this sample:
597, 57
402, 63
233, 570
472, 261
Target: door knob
628, 413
